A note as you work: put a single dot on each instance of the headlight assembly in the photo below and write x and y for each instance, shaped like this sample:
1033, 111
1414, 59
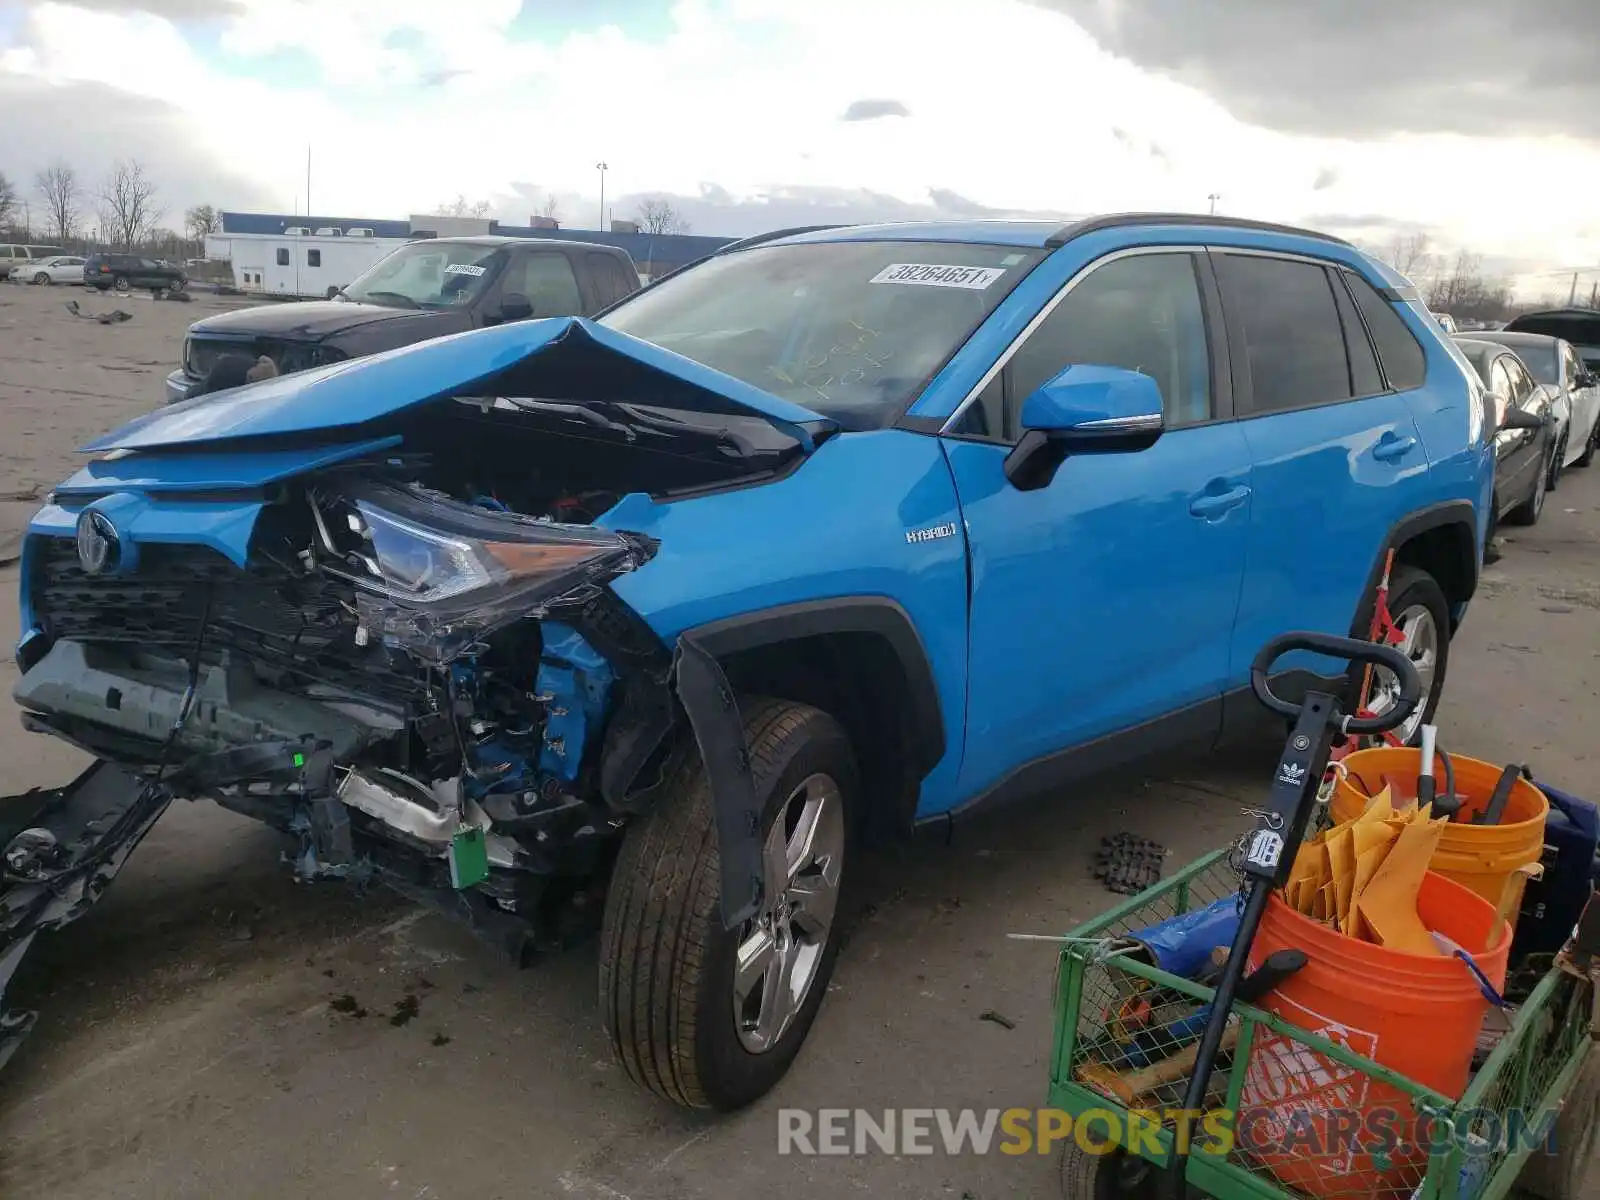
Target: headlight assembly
435, 575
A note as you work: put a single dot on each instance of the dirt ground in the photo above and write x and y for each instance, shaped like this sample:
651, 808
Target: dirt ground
189, 1044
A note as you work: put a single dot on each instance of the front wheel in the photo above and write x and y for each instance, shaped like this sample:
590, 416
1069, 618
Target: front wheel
1557, 464
1422, 614
41, 279
711, 1018
1528, 512
1589, 447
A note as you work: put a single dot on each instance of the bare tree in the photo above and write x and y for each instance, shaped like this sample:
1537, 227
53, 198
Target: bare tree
8, 202
57, 184
1411, 255
551, 208
462, 207
200, 221
128, 209
1462, 290
656, 214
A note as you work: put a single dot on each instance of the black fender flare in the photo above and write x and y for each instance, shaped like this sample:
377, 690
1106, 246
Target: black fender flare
1435, 516
878, 615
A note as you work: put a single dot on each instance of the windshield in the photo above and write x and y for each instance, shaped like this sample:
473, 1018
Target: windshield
852, 330
430, 275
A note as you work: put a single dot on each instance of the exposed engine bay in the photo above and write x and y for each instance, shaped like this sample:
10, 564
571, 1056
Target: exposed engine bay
420, 674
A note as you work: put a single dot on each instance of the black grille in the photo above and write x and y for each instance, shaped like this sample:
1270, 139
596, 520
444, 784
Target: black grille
296, 629
202, 353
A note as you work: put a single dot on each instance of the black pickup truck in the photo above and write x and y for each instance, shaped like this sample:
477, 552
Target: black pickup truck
425, 289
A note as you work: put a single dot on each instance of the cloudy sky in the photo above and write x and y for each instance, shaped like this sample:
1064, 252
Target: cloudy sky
1369, 118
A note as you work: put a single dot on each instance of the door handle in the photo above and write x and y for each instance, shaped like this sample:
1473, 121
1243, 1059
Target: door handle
1214, 504
1391, 448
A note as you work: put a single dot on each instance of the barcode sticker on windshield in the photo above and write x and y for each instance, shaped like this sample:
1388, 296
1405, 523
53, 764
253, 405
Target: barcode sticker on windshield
463, 269
938, 275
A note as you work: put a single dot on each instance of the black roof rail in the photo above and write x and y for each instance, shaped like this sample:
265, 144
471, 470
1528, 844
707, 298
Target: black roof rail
1078, 229
772, 235
754, 239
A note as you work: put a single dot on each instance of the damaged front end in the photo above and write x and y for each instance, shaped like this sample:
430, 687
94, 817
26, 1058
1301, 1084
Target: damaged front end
399, 679
393, 640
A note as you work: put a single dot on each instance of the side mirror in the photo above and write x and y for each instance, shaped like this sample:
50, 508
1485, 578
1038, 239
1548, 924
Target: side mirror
1086, 409
1521, 418
514, 306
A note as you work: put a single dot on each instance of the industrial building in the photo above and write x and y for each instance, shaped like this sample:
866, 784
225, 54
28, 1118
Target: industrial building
300, 256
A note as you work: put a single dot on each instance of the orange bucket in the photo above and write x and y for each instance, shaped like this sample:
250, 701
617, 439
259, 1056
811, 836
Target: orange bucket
1495, 861
1310, 1120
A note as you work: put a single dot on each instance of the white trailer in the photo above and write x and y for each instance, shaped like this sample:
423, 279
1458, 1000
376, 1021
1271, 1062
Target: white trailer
297, 266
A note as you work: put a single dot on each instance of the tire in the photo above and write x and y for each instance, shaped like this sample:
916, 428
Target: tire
1113, 1176
1416, 603
1528, 512
1564, 1174
667, 966
41, 279
121, 283
1556, 464
1589, 447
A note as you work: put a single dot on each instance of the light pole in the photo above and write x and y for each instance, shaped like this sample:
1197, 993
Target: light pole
601, 167
1214, 197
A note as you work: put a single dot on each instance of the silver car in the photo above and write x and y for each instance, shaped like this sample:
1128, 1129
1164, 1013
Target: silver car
1573, 387
63, 268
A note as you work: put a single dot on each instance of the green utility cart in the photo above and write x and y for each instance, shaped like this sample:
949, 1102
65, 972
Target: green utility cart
1537, 1082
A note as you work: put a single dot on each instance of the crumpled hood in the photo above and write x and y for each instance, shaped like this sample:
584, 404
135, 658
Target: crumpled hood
559, 358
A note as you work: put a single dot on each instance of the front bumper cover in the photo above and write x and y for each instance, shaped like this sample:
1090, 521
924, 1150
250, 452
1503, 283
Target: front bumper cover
63, 847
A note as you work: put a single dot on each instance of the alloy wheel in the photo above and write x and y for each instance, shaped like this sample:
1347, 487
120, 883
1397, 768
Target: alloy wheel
781, 949
1420, 643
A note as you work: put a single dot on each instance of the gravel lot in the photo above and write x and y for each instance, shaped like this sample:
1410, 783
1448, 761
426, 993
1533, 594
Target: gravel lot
188, 1048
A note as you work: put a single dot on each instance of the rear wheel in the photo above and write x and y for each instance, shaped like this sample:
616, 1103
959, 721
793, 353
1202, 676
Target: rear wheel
1564, 1175
1422, 614
120, 283
1113, 1174
707, 1017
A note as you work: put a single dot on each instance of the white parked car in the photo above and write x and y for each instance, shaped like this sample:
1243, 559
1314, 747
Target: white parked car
63, 268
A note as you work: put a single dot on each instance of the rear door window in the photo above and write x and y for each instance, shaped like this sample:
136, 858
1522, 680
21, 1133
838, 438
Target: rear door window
1404, 363
1365, 379
611, 282
1294, 341
548, 281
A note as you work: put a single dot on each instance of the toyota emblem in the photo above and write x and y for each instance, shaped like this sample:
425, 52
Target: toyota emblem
98, 543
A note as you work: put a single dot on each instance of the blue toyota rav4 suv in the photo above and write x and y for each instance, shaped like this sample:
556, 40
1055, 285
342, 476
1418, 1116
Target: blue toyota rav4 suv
656, 617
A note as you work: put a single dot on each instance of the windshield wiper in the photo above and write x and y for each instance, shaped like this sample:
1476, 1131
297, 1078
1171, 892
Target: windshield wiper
406, 301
